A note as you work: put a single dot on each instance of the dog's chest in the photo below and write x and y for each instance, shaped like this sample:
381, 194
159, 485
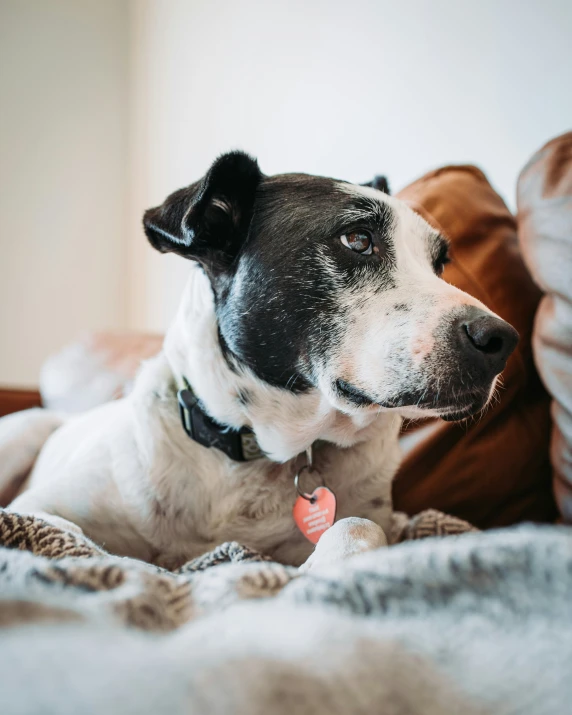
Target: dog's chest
213, 499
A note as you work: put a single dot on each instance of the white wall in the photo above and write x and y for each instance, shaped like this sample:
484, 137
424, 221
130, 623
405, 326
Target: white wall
106, 106
63, 153
341, 88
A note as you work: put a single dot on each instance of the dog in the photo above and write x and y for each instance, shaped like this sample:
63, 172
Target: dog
315, 316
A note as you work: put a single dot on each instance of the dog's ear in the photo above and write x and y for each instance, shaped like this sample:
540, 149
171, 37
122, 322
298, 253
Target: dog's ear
380, 183
208, 220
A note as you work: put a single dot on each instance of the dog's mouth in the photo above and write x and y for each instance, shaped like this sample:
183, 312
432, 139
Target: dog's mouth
462, 407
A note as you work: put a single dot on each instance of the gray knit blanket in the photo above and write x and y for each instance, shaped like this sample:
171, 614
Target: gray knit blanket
474, 623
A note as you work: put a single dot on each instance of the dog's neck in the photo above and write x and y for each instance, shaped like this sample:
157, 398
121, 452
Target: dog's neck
284, 423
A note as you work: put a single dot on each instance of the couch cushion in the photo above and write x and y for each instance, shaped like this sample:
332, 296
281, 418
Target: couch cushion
545, 231
495, 470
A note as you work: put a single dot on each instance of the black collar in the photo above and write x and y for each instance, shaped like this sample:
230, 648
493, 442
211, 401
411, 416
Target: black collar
240, 445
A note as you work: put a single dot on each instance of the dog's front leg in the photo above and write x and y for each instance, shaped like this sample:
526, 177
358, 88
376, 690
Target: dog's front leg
345, 538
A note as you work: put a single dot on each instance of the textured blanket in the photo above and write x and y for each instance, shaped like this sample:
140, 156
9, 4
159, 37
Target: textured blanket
48, 573
473, 623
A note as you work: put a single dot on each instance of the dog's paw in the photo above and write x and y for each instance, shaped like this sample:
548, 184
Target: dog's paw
344, 539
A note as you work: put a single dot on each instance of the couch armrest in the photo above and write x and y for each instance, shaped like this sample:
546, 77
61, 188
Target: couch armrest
13, 400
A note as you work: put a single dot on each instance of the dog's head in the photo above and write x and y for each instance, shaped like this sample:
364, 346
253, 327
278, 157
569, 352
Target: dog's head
324, 284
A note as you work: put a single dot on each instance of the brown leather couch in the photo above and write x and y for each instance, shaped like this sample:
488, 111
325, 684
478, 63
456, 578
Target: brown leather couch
494, 471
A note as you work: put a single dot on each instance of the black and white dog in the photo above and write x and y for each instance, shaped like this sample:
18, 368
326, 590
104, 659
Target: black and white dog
314, 315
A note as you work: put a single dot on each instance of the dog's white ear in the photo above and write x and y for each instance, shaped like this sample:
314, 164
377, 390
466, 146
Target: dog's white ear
380, 183
208, 220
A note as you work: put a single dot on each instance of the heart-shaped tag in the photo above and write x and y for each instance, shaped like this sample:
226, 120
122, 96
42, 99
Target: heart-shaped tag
313, 516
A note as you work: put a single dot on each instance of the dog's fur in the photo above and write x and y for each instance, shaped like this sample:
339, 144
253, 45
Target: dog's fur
285, 329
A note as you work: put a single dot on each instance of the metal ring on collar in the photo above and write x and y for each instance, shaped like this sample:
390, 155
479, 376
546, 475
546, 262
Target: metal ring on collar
306, 495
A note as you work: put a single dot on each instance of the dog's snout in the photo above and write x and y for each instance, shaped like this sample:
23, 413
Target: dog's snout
487, 340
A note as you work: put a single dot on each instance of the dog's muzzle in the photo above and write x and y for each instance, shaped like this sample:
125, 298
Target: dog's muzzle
471, 350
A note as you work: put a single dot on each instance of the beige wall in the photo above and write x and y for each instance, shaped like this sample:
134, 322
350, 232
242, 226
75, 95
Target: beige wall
63, 152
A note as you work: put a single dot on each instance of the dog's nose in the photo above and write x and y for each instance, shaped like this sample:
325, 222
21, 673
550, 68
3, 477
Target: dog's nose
487, 340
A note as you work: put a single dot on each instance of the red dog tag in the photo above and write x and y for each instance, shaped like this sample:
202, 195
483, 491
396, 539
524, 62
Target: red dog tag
313, 516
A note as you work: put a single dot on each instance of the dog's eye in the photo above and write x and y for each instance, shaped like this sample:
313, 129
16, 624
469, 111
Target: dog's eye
442, 259
358, 241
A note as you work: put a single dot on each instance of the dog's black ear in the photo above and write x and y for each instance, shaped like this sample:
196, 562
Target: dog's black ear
208, 220
380, 183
